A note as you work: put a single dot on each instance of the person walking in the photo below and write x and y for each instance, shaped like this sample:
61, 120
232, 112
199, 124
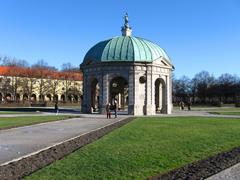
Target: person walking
189, 105
108, 105
181, 105
56, 108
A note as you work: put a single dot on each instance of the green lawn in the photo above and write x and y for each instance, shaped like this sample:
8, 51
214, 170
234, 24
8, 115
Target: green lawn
10, 122
146, 147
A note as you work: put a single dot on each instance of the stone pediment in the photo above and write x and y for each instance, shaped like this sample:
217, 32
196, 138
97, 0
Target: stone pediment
163, 62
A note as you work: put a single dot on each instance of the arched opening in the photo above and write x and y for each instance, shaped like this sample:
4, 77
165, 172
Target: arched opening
95, 95
160, 96
49, 97
63, 99
17, 98
0, 97
8, 97
119, 92
33, 98
55, 98
70, 98
41, 97
81, 100
75, 98
25, 97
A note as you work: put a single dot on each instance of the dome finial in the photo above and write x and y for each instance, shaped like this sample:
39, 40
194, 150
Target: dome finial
126, 29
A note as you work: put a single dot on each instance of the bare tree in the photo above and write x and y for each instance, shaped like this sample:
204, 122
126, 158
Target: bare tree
182, 88
42, 73
68, 67
8, 61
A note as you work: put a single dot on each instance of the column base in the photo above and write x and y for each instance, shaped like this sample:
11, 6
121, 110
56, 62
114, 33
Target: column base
150, 109
169, 109
136, 110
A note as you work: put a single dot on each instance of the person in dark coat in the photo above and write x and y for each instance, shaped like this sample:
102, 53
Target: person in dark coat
56, 108
189, 105
108, 106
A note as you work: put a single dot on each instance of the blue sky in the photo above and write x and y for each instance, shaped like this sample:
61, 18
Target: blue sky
196, 34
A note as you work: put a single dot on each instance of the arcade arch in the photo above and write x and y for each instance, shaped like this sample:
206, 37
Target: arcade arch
160, 95
119, 91
95, 91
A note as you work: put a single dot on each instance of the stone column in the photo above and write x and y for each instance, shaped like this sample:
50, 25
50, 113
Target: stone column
123, 100
170, 90
138, 105
131, 90
161, 96
153, 104
104, 92
168, 96
149, 106
85, 94
119, 100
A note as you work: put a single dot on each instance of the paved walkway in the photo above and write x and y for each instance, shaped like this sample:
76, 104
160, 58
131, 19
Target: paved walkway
232, 173
18, 142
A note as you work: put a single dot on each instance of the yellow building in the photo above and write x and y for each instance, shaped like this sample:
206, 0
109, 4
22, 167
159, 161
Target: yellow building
39, 86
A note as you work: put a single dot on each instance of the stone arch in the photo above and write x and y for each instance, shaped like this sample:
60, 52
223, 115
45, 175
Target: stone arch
160, 95
41, 97
70, 98
33, 98
63, 98
81, 99
49, 96
17, 97
1, 96
55, 98
8, 97
94, 97
25, 97
118, 89
75, 98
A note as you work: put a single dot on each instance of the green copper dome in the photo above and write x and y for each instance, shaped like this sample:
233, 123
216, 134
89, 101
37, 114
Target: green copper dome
125, 49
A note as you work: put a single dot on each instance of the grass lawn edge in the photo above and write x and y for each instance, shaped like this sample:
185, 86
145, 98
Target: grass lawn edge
204, 168
35, 123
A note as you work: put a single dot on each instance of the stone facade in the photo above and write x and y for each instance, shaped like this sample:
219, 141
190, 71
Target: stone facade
25, 89
131, 70
142, 80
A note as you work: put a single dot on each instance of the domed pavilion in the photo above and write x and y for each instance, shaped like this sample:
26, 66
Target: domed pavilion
134, 71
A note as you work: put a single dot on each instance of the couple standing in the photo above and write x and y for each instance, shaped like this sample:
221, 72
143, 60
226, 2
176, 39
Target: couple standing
110, 107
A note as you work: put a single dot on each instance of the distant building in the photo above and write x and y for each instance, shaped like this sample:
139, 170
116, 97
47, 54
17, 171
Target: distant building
133, 71
38, 85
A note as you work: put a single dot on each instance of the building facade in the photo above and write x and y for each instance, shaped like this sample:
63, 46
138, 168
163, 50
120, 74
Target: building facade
27, 86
